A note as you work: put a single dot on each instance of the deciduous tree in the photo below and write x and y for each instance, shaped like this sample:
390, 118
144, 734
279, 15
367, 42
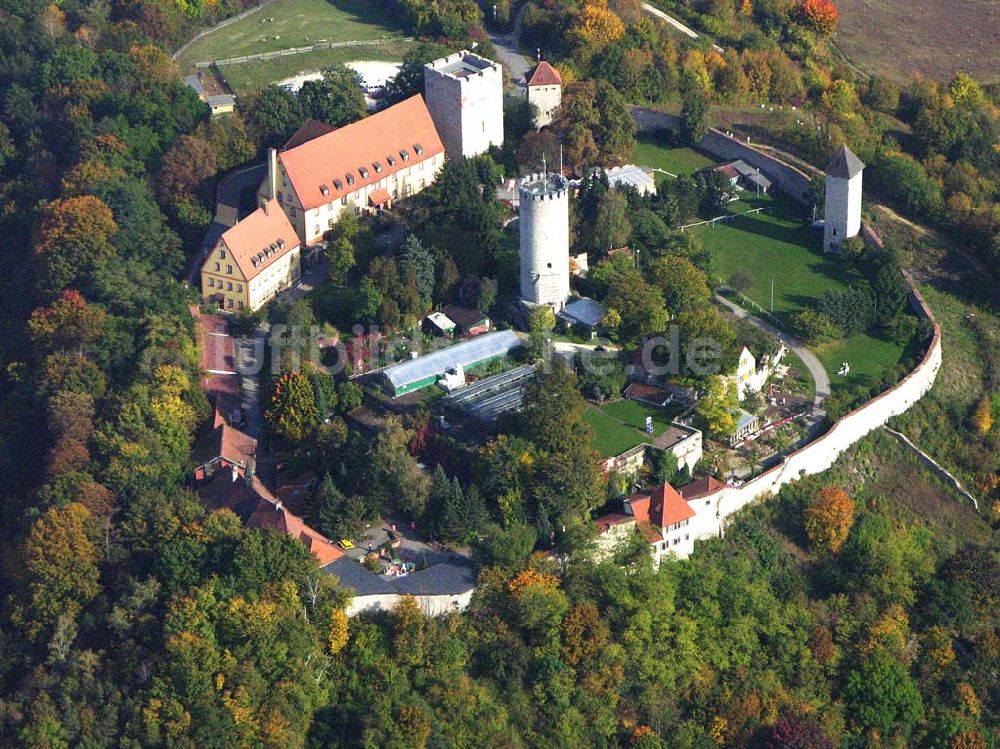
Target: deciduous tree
829, 518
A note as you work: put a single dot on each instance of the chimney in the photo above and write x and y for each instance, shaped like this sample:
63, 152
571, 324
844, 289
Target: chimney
272, 172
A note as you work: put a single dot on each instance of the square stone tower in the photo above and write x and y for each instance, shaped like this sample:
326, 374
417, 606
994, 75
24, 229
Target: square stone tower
464, 93
843, 199
544, 92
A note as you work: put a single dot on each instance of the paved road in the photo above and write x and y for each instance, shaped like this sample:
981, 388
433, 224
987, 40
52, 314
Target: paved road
514, 63
815, 367
686, 30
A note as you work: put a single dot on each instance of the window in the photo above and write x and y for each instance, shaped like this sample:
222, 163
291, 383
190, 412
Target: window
229, 303
391, 159
229, 286
363, 172
281, 197
240, 305
378, 167
239, 287
229, 269
291, 211
343, 200
324, 189
211, 283
222, 254
316, 229
217, 267
350, 179
687, 536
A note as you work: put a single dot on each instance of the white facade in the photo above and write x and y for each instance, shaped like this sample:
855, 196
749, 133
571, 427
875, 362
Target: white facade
843, 211
843, 199
546, 99
430, 605
544, 234
312, 224
464, 93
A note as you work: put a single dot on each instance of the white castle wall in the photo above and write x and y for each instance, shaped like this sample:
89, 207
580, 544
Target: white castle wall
821, 454
544, 240
467, 109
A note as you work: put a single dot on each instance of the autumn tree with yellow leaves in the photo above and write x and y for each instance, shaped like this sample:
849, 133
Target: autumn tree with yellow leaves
829, 518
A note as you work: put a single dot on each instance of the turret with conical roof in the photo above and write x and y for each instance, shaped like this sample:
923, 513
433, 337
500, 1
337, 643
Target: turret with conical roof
843, 199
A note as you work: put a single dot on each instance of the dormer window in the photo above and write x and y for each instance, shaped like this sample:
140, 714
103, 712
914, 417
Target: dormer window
363, 172
350, 179
404, 154
378, 167
324, 189
338, 184
391, 159
255, 261
419, 149
267, 252
281, 244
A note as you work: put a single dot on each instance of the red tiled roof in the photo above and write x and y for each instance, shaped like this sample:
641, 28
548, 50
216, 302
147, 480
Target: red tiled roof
702, 487
639, 503
667, 507
310, 130
606, 522
266, 230
277, 517
315, 164
380, 196
544, 75
728, 170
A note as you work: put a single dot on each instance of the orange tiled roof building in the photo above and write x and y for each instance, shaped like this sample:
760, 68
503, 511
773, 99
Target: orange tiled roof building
361, 167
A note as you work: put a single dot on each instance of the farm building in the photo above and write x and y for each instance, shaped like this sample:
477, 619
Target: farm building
631, 175
468, 321
216, 95
492, 396
438, 323
583, 315
424, 371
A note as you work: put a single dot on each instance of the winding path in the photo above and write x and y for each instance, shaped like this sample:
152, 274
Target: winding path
686, 30
815, 367
516, 64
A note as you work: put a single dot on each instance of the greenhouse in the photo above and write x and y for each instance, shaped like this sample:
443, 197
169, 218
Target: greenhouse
418, 373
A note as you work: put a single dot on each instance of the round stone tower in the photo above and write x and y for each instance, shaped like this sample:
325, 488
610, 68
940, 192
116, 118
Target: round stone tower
544, 225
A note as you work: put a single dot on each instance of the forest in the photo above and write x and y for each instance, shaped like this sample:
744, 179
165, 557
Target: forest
132, 617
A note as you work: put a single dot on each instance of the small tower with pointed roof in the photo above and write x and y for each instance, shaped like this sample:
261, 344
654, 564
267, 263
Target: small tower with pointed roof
544, 86
843, 199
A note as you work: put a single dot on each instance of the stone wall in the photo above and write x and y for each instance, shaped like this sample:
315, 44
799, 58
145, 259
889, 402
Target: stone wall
791, 180
821, 454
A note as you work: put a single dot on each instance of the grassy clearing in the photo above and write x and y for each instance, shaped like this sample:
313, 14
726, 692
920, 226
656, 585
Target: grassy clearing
252, 76
888, 38
804, 379
296, 23
621, 425
651, 151
869, 358
775, 245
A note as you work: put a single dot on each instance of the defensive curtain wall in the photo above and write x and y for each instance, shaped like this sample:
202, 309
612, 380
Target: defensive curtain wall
821, 453
792, 181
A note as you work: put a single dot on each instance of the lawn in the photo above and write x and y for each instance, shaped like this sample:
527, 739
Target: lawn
867, 356
621, 425
251, 76
776, 246
294, 23
650, 150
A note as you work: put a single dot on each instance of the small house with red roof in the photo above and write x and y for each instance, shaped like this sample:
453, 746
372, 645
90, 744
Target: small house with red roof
670, 520
544, 92
252, 261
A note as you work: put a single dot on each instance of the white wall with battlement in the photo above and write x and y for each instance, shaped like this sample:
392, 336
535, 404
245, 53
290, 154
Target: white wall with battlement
544, 239
820, 454
464, 94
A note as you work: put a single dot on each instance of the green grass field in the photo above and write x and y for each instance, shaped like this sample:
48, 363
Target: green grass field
251, 76
621, 425
869, 358
296, 23
651, 151
775, 245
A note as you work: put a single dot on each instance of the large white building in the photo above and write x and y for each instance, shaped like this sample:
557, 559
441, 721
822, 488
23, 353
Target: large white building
544, 235
544, 86
843, 199
360, 167
464, 94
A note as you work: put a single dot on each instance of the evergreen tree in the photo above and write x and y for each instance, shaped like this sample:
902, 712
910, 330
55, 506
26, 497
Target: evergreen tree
418, 259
